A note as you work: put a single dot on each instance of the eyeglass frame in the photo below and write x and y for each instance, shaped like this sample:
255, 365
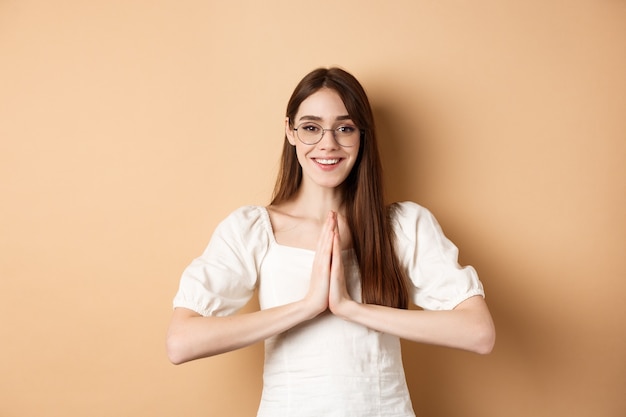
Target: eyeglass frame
295, 129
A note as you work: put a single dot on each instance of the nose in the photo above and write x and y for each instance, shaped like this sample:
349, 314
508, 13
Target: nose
328, 140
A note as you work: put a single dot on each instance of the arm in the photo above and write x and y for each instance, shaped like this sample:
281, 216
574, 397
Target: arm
193, 336
468, 326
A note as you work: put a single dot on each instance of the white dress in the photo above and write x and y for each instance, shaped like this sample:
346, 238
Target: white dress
326, 366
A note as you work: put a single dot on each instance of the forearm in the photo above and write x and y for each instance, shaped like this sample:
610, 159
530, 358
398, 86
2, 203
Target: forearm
192, 336
468, 327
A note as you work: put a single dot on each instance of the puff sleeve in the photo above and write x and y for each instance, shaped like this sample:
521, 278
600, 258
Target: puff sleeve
223, 279
437, 280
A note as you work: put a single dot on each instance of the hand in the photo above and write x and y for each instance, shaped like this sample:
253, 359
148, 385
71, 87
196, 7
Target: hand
319, 286
338, 295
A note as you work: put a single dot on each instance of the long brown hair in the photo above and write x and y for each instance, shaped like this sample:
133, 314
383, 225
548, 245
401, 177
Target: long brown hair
383, 281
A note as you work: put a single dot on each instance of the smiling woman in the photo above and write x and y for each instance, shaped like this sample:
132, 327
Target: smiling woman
335, 271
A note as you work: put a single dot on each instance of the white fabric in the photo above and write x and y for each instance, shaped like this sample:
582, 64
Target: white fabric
327, 366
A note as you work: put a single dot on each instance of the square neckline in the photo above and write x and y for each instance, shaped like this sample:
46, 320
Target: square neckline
270, 230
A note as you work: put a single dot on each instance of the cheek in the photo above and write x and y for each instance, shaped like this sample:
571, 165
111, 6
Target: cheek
300, 154
355, 154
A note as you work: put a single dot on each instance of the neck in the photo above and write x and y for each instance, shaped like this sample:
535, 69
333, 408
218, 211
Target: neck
316, 202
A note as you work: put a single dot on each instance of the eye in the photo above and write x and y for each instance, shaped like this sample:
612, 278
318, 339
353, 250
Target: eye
346, 129
309, 128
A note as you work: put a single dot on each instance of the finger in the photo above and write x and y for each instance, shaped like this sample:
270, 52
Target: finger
336, 256
325, 238
332, 220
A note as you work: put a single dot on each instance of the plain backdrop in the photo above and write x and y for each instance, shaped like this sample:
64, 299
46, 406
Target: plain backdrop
130, 128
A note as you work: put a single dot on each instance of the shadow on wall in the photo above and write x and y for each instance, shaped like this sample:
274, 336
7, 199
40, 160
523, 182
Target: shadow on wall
538, 355
402, 154
441, 381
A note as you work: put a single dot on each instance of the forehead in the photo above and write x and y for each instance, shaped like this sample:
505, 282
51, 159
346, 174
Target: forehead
325, 104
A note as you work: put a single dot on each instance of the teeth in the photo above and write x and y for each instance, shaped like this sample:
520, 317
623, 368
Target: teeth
327, 161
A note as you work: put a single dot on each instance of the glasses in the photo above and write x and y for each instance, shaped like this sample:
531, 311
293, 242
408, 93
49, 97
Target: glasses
311, 133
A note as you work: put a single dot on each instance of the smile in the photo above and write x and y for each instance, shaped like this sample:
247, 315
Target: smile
327, 161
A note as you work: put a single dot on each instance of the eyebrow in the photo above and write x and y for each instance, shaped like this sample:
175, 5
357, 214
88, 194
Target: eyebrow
319, 119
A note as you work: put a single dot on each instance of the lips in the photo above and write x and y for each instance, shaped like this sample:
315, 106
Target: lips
327, 164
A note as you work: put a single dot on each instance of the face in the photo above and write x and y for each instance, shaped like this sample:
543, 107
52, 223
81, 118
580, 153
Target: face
326, 163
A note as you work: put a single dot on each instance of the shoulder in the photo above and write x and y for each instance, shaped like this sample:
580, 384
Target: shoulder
408, 213
246, 214
401, 208
412, 222
246, 222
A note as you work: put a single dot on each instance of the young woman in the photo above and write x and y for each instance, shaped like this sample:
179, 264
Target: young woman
335, 271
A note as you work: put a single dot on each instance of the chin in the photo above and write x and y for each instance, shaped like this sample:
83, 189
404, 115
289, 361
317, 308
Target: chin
327, 182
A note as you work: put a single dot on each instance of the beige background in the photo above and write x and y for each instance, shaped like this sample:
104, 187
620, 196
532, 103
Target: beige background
130, 128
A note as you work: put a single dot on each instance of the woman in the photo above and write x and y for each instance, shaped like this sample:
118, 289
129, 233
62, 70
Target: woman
335, 271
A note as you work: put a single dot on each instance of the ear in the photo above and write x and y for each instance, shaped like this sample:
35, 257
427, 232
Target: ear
289, 132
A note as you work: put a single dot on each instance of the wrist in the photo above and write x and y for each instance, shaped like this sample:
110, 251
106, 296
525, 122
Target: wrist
346, 309
311, 308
